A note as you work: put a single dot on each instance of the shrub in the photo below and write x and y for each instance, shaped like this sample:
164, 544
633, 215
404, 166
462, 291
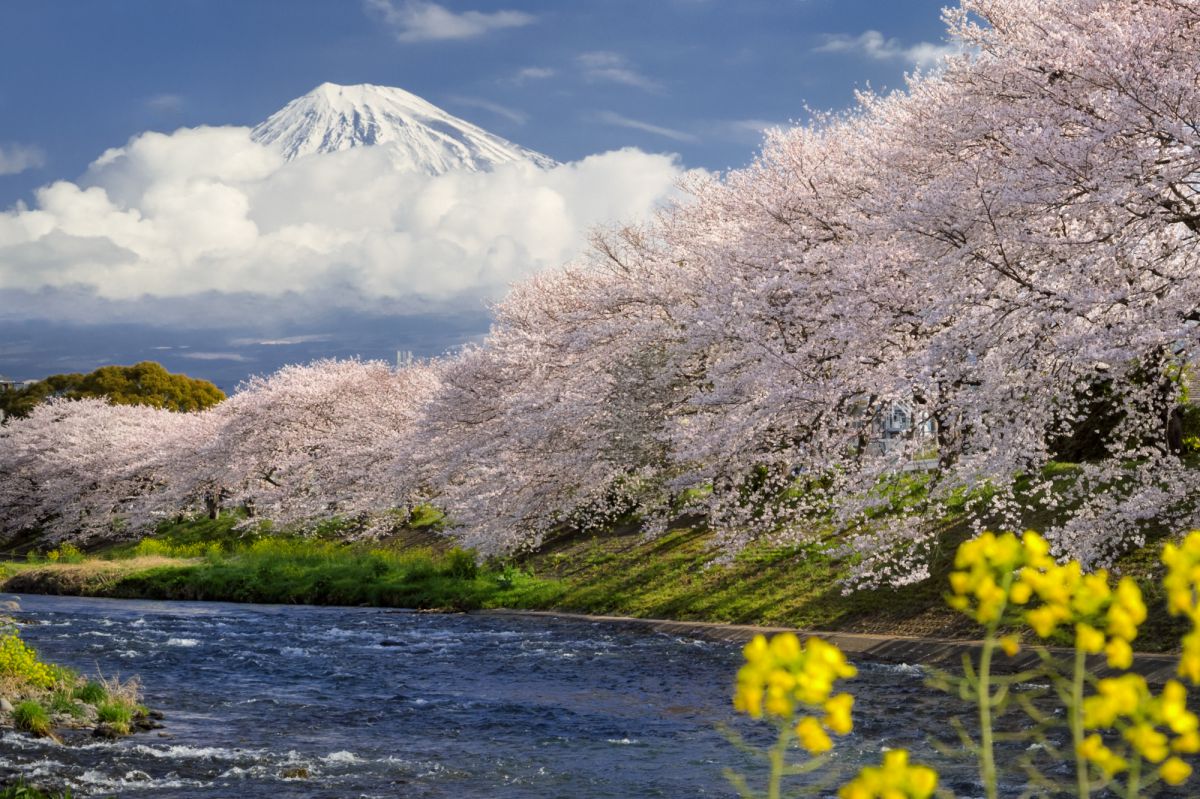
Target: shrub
67, 553
461, 564
152, 546
31, 717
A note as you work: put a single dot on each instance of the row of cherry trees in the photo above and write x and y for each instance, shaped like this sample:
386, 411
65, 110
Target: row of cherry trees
296, 447
1012, 236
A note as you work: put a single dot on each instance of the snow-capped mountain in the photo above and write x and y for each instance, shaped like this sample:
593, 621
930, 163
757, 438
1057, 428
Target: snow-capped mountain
420, 136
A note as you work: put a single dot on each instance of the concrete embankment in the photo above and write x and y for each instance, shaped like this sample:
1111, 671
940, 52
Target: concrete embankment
937, 652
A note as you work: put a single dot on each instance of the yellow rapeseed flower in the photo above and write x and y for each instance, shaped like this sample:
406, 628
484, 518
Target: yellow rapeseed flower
1093, 749
1189, 659
894, 778
1119, 653
1011, 644
1149, 742
1174, 771
837, 714
1181, 584
1173, 709
813, 736
1089, 639
783, 676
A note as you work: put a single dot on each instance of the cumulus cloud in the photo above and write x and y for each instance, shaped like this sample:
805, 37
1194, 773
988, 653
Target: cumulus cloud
419, 21
609, 67
876, 46
16, 158
207, 213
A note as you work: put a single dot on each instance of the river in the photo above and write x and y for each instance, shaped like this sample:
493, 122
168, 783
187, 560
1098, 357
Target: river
383, 703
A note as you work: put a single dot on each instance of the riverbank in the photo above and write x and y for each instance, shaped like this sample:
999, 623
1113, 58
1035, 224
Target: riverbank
938, 653
46, 700
675, 576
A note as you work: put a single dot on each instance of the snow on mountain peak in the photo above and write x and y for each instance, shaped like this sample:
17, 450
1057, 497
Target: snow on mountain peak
420, 136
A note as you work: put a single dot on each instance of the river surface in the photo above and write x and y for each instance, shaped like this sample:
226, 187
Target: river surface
385, 703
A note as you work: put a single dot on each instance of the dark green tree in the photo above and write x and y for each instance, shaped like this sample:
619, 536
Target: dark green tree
145, 383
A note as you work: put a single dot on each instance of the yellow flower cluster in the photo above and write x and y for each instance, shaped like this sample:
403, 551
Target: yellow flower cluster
994, 571
1127, 704
784, 676
983, 576
894, 779
20, 661
1183, 598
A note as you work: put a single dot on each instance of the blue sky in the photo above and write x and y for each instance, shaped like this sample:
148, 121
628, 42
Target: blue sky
697, 78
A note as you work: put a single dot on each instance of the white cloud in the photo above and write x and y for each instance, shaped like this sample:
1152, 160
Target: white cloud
609, 67
286, 341
208, 213
236, 357
421, 21
526, 74
613, 118
512, 115
875, 45
16, 158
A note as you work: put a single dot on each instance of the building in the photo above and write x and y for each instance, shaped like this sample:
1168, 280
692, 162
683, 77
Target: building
12, 385
898, 422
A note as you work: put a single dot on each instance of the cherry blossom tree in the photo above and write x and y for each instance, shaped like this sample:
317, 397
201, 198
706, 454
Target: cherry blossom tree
309, 442
85, 470
982, 246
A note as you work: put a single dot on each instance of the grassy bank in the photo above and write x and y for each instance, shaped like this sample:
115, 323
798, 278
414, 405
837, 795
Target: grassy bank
214, 560
618, 572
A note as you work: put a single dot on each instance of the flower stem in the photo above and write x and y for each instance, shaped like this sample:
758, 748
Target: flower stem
1076, 716
987, 758
1133, 789
778, 751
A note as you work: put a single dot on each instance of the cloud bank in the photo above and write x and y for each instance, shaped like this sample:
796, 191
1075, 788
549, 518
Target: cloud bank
206, 212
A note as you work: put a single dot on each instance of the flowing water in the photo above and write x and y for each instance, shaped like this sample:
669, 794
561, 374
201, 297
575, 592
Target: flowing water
384, 703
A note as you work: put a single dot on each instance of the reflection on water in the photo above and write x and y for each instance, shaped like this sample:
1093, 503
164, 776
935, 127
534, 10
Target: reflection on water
269, 701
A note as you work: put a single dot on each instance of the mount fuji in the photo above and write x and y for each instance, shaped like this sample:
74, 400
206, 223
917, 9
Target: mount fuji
419, 136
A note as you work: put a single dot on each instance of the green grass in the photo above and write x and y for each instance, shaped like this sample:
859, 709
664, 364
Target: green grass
92, 693
675, 576
29, 716
287, 570
62, 701
117, 715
